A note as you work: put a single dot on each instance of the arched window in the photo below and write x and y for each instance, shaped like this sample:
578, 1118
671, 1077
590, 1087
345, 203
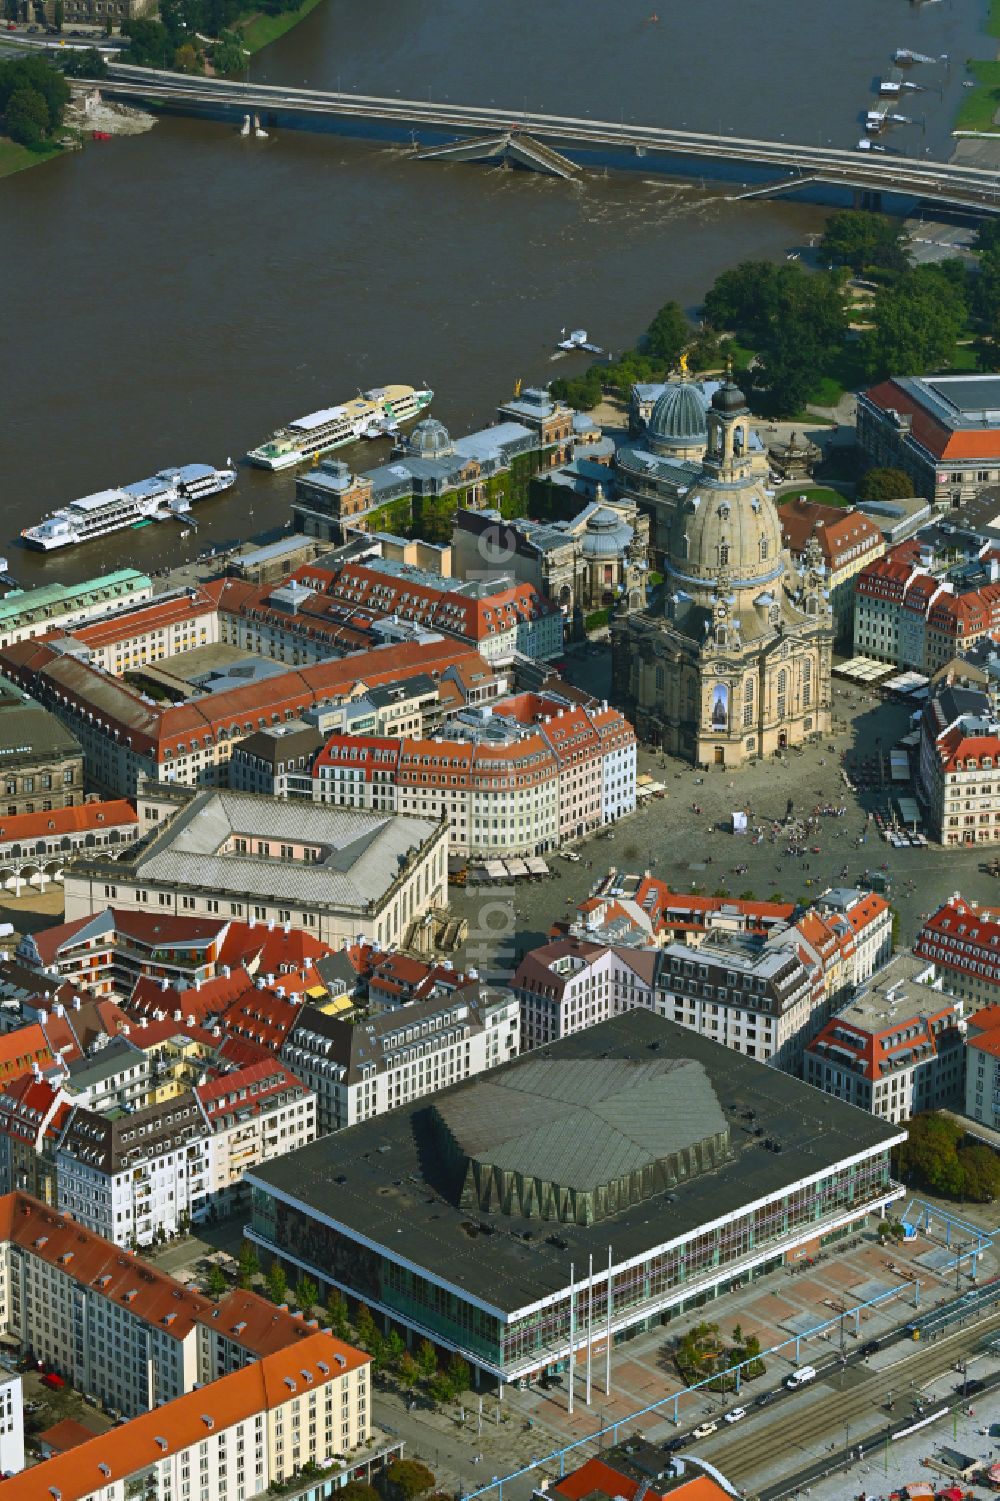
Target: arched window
739, 439
807, 674
724, 553
659, 678
763, 548
748, 711
782, 693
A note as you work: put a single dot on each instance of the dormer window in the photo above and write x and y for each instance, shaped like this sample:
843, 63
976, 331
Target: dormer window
763, 548
723, 554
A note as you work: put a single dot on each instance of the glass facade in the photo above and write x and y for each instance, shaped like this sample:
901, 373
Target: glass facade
543, 1335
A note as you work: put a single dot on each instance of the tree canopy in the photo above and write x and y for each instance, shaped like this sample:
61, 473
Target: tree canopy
885, 484
867, 243
33, 98
917, 321
934, 1155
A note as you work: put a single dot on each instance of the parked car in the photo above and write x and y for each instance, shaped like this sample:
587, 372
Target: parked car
970, 1388
568, 854
869, 1347
800, 1377
704, 1429
673, 1444
764, 1399
735, 1414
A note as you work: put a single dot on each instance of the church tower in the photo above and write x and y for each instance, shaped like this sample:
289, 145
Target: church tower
736, 663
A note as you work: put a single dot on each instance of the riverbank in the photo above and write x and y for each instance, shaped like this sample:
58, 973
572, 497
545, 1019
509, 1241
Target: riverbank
260, 31
15, 158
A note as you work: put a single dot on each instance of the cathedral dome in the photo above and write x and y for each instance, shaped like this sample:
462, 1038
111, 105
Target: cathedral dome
731, 530
678, 418
430, 439
607, 535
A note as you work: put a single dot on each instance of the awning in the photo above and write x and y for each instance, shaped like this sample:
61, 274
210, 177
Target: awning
516, 868
537, 865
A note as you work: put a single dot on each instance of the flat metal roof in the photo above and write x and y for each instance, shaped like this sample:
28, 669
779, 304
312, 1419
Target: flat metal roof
384, 1181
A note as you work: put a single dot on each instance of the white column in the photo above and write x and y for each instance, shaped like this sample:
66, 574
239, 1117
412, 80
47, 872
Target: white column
590, 1325
607, 1352
572, 1333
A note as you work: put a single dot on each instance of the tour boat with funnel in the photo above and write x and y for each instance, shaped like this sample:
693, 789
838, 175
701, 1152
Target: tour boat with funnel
384, 408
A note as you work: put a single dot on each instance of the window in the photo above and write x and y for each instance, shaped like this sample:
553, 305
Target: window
748, 703
763, 548
807, 669
782, 693
724, 554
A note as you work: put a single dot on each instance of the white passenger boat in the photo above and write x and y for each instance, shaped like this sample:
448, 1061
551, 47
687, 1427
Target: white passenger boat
168, 493
320, 432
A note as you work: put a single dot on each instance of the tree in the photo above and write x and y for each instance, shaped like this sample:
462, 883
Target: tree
408, 1478
187, 59
426, 1359
788, 372
358, 1490
150, 44
276, 1283
981, 1173
458, 1375
885, 484
866, 242
365, 1326
26, 118
917, 322
229, 56
395, 1348
440, 1387
86, 64
408, 1373
216, 1281
336, 1313
249, 1266
306, 1295
667, 335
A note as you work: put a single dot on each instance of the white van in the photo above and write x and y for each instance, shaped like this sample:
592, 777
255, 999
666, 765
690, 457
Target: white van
800, 1377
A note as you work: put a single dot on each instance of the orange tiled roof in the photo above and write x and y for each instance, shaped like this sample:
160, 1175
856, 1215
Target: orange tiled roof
181, 1423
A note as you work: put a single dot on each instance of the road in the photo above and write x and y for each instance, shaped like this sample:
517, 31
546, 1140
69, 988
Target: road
951, 182
846, 1400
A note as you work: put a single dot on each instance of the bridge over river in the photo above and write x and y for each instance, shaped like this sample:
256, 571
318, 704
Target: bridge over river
563, 145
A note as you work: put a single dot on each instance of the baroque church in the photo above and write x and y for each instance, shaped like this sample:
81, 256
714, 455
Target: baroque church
734, 661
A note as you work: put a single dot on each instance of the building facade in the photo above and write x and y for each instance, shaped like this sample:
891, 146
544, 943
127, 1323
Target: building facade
943, 431
958, 776
899, 1048
360, 1069
335, 873
734, 663
848, 541
516, 778
518, 1145
962, 941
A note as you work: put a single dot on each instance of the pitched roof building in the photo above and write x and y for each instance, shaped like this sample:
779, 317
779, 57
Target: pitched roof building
944, 431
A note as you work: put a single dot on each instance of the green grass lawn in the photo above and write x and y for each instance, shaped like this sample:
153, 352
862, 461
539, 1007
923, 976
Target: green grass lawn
14, 158
260, 31
980, 104
993, 19
821, 494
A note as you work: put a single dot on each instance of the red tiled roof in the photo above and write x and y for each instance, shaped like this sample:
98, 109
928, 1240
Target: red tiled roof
82, 819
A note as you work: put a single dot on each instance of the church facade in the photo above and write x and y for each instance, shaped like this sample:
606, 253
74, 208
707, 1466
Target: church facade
734, 661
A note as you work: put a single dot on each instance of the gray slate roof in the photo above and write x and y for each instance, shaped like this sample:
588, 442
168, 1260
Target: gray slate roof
364, 854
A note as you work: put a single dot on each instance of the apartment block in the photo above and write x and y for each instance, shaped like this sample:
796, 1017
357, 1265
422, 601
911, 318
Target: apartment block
119, 1328
897, 1049
363, 1068
255, 1428
516, 778
958, 778
962, 941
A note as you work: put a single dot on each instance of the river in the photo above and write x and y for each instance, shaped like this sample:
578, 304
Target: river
177, 295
